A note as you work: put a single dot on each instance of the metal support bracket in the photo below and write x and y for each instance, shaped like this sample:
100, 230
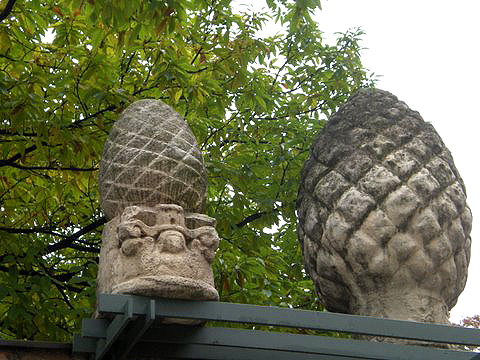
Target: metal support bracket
129, 326
98, 335
114, 330
137, 330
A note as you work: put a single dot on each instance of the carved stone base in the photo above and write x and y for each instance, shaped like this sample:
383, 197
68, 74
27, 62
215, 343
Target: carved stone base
167, 286
410, 304
158, 251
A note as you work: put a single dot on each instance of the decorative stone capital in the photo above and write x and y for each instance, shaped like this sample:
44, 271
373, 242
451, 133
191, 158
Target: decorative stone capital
159, 251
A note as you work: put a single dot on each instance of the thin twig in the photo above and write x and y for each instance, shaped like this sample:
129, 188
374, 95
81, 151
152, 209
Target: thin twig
7, 10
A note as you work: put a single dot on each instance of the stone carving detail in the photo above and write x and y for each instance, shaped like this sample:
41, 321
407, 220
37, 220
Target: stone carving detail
383, 219
152, 184
151, 157
159, 251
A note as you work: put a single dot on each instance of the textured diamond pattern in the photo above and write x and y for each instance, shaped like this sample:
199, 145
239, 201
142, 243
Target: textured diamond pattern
380, 203
151, 157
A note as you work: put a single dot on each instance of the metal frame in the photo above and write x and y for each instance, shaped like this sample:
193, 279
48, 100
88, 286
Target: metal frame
135, 328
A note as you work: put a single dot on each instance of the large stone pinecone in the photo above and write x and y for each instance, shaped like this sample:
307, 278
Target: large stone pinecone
151, 157
381, 206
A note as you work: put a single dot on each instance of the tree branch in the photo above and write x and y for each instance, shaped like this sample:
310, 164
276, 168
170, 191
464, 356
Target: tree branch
233, 117
196, 55
65, 297
47, 231
287, 59
76, 124
84, 248
122, 77
68, 242
7, 10
18, 156
196, 71
21, 167
32, 272
316, 108
31, 231
16, 133
251, 218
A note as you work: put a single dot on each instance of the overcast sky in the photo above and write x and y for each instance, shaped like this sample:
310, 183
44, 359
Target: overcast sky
428, 54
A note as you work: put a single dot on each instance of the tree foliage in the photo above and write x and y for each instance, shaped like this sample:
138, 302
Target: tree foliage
254, 102
471, 322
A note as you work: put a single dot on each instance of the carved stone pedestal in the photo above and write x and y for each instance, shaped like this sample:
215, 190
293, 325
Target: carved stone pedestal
153, 186
158, 251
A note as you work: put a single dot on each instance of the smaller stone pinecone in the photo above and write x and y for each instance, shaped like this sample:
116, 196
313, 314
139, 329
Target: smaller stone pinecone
151, 157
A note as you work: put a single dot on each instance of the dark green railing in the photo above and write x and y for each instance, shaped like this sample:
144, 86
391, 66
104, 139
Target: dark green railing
135, 329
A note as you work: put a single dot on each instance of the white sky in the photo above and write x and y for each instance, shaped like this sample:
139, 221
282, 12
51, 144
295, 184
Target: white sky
428, 53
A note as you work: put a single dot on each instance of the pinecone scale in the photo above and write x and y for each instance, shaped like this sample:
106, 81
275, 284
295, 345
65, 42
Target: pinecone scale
382, 207
151, 157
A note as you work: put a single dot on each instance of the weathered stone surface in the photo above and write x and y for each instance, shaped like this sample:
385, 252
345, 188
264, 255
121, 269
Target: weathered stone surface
151, 157
152, 184
150, 251
383, 218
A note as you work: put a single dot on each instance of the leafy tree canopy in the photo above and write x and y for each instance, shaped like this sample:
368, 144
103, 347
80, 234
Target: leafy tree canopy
254, 103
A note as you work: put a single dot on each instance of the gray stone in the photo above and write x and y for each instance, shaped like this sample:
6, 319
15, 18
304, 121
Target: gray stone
151, 157
151, 252
383, 219
153, 185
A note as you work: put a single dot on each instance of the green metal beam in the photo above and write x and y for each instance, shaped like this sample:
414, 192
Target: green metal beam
83, 345
95, 328
296, 344
209, 352
136, 331
133, 331
114, 329
275, 316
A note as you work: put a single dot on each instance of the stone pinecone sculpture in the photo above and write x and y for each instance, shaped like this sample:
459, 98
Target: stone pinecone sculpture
383, 219
151, 157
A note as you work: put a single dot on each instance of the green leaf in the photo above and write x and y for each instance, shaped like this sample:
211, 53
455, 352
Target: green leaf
253, 103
